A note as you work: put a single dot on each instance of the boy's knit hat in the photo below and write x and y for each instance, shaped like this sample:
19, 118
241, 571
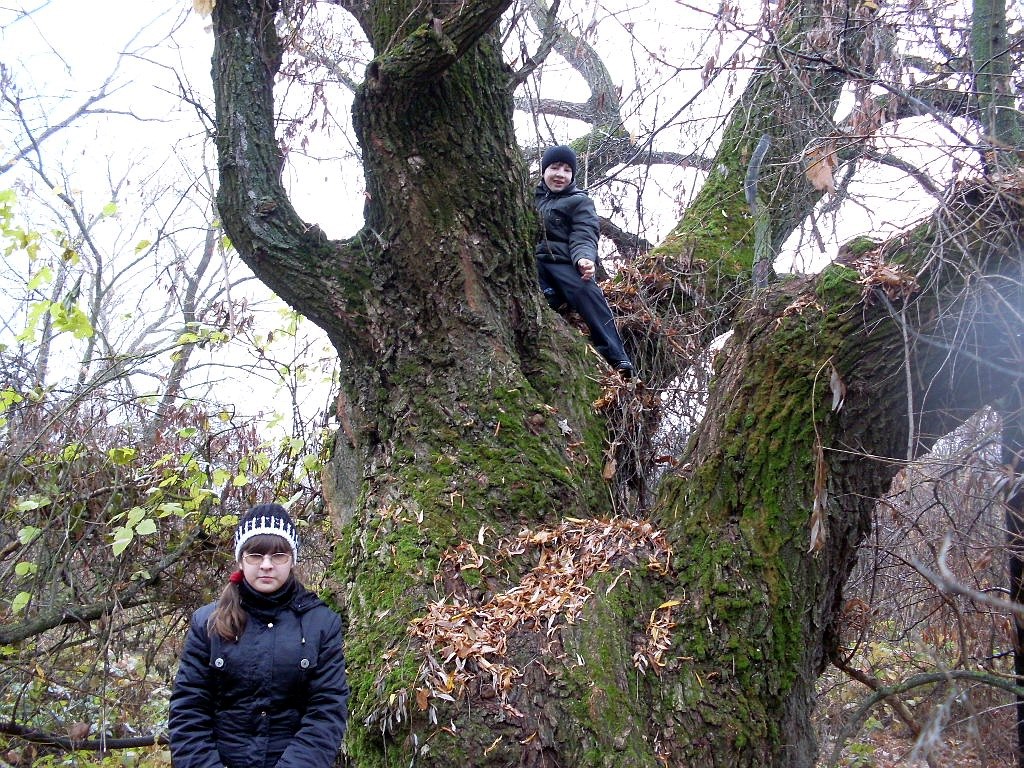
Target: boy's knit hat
559, 154
267, 518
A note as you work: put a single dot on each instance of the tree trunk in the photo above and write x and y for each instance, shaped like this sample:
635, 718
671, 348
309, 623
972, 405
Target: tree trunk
464, 414
1002, 125
466, 482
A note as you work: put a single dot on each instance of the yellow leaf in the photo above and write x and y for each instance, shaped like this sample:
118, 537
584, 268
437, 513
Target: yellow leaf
421, 698
609, 469
668, 604
204, 7
821, 162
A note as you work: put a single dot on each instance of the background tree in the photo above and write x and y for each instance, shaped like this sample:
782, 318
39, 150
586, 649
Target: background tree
125, 457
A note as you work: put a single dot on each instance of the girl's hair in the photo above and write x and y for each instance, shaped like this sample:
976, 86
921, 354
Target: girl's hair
229, 617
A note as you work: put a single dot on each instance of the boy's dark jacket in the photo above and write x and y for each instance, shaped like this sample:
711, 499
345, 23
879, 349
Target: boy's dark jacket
278, 697
570, 225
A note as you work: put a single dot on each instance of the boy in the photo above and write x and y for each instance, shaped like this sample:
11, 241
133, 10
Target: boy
567, 254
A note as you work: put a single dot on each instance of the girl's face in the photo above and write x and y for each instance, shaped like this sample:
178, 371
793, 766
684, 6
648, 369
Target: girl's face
266, 563
558, 176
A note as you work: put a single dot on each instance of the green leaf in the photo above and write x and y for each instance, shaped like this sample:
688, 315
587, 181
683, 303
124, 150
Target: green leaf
240, 479
311, 464
35, 501
20, 602
72, 451
71, 319
123, 536
28, 534
121, 456
25, 568
146, 527
135, 514
109, 209
43, 277
9, 397
35, 313
171, 508
142, 245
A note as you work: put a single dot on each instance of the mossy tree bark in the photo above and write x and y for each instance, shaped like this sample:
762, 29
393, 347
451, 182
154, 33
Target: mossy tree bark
464, 411
763, 607
467, 412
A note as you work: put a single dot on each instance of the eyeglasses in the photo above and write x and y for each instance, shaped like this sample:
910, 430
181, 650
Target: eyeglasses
278, 558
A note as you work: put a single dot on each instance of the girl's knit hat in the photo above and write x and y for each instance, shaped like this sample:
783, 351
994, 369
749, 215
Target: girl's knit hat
267, 518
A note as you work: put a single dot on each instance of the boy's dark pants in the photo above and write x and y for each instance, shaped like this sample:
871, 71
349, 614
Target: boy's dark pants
562, 284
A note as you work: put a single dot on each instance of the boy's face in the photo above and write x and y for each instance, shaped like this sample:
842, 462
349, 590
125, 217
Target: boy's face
558, 176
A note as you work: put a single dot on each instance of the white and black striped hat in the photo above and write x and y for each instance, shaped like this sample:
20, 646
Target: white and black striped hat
267, 518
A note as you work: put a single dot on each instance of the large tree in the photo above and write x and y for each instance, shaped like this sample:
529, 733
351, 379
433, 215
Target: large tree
495, 616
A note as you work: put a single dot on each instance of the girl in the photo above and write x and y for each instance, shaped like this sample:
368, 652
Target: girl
261, 682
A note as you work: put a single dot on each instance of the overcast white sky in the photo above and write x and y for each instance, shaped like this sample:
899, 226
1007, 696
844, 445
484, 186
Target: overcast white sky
66, 48
60, 54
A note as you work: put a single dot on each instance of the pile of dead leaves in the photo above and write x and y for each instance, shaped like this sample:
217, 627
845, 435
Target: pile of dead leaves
892, 279
465, 644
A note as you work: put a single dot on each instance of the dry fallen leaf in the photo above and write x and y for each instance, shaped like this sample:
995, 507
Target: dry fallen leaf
838, 390
609, 469
461, 642
821, 164
819, 510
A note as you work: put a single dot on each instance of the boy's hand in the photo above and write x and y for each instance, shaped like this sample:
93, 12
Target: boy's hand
585, 268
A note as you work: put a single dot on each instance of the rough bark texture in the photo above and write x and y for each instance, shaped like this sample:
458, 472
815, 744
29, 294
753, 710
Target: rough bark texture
462, 408
467, 414
762, 609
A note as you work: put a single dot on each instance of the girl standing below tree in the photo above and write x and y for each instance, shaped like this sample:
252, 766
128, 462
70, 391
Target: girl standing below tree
261, 682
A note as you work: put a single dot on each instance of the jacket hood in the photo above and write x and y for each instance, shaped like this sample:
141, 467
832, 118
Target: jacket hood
305, 601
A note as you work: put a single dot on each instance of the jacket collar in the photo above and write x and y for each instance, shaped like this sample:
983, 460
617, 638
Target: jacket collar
543, 191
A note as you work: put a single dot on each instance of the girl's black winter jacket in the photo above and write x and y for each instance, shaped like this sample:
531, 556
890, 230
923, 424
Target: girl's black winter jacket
276, 698
570, 225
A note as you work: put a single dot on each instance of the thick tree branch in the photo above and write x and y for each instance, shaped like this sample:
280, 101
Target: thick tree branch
549, 37
294, 258
436, 44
